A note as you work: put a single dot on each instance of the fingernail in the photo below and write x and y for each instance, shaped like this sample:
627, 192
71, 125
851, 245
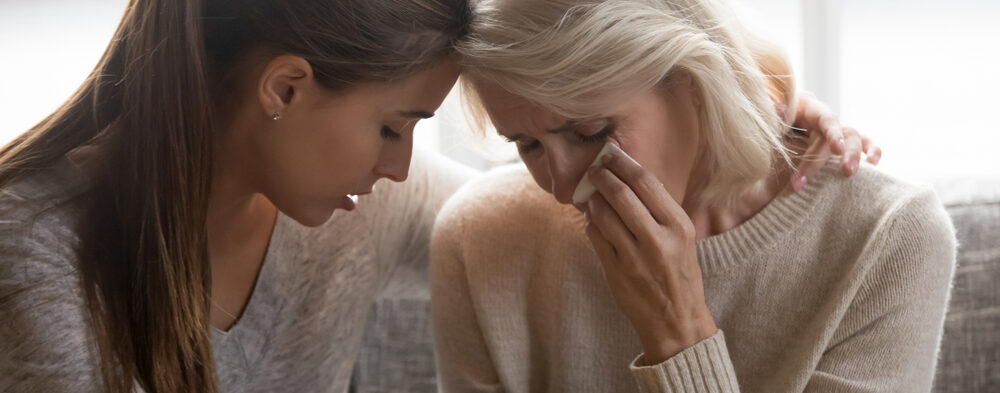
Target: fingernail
841, 143
853, 167
799, 183
607, 159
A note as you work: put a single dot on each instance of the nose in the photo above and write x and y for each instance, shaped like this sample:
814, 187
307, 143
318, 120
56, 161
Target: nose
394, 162
564, 174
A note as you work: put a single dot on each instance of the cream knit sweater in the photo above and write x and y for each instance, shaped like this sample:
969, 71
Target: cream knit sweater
841, 287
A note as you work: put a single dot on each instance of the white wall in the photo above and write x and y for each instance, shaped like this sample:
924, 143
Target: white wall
923, 77
47, 48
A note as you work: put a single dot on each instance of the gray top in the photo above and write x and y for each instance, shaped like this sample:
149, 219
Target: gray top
302, 326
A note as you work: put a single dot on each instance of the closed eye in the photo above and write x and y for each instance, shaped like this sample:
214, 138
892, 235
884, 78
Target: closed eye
390, 134
523, 146
600, 136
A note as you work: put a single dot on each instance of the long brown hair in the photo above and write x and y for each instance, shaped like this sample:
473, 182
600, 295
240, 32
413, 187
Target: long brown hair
150, 107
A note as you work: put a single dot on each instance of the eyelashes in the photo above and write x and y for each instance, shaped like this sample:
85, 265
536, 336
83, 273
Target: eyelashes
528, 148
599, 137
390, 134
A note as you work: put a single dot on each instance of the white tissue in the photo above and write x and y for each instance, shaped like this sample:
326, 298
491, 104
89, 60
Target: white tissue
586, 189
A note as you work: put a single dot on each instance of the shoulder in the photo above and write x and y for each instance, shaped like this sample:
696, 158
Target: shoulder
38, 240
888, 200
504, 204
42, 307
905, 223
38, 218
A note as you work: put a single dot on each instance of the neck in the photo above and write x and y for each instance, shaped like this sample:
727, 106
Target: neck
711, 220
237, 212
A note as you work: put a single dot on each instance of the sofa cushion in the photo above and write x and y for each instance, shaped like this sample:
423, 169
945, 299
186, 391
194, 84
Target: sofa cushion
970, 349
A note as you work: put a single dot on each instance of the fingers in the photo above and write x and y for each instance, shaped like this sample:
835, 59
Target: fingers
814, 159
852, 156
829, 125
605, 250
649, 190
617, 248
873, 153
622, 266
607, 220
813, 114
622, 202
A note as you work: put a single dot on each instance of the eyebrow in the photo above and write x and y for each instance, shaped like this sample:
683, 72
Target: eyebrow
418, 114
567, 126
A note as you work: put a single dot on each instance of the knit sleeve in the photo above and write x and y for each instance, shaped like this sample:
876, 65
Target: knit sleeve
703, 367
461, 354
405, 219
889, 337
45, 339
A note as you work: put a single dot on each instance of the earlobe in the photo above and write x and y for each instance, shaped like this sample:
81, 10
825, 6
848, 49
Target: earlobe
281, 82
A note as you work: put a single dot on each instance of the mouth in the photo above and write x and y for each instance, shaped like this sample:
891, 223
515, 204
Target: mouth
349, 202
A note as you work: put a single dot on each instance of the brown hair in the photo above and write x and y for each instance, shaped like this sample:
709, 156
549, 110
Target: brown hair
150, 105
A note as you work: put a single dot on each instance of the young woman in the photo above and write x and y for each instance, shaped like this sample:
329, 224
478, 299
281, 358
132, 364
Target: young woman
131, 264
839, 287
169, 228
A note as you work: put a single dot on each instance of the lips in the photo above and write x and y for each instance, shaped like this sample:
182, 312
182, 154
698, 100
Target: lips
349, 202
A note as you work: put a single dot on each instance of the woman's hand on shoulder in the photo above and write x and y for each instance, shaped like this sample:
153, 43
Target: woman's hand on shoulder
825, 137
646, 244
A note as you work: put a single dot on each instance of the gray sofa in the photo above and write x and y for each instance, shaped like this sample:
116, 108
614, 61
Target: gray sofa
397, 353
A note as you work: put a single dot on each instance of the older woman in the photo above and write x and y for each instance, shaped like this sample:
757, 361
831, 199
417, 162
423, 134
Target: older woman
693, 268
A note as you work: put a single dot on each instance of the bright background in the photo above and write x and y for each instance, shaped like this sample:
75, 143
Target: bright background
919, 76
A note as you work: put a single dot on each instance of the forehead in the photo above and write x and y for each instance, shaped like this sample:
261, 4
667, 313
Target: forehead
512, 113
426, 87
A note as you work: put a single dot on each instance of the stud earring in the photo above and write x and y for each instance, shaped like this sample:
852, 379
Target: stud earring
275, 116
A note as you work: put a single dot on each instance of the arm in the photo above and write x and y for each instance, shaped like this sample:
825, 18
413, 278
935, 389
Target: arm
46, 344
462, 357
889, 338
405, 218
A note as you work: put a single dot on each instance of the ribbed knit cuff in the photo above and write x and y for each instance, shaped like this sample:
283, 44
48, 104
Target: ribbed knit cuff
704, 367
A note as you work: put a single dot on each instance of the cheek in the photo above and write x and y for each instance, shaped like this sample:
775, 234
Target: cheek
664, 150
538, 170
330, 157
559, 169
350, 152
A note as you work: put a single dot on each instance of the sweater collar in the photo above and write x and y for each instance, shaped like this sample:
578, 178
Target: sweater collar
782, 215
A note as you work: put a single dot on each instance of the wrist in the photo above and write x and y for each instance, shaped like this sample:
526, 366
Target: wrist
660, 348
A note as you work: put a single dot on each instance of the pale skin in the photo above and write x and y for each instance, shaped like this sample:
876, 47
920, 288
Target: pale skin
644, 220
324, 146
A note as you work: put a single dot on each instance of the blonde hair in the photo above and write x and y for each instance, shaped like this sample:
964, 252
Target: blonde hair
578, 58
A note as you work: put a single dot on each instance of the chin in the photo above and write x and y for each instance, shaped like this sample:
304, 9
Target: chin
311, 217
